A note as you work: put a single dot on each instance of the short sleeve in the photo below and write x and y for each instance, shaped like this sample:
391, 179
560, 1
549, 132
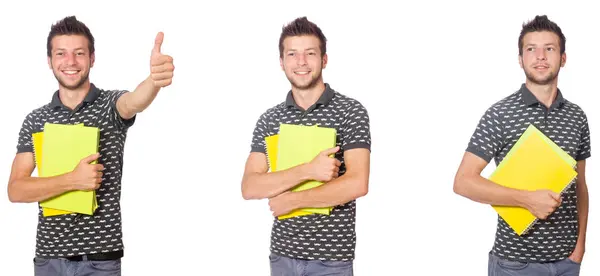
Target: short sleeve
356, 128
486, 140
259, 134
584, 147
115, 117
25, 141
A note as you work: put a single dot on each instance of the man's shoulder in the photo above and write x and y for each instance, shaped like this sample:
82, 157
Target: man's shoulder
271, 111
104, 93
576, 108
345, 101
37, 112
503, 104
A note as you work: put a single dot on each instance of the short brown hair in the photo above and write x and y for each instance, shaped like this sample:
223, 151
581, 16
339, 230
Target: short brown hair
538, 24
70, 26
301, 26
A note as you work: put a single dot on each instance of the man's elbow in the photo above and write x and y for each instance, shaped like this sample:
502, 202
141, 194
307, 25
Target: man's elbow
13, 196
362, 189
460, 185
248, 193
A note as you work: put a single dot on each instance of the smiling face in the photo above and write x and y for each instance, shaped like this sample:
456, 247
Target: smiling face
541, 59
302, 61
70, 60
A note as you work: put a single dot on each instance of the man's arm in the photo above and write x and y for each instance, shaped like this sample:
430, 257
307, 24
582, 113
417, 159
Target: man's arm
352, 185
137, 101
469, 183
24, 188
582, 210
161, 75
258, 183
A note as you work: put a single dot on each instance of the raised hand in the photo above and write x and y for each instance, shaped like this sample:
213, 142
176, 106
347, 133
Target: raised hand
161, 66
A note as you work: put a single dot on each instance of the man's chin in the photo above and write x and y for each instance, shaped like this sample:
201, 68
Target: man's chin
71, 85
541, 80
304, 85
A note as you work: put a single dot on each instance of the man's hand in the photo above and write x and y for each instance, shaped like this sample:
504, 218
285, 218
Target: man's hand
323, 167
161, 66
542, 203
577, 255
87, 176
281, 204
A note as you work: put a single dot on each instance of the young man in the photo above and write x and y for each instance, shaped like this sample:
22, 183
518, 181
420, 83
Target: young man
312, 244
90, 245
556, 244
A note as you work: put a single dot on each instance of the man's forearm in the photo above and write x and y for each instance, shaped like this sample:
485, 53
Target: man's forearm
270, 184
36, 189
485, 191
336, 192
138, 100
582, 210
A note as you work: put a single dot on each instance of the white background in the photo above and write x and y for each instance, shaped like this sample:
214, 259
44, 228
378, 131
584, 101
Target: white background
426, 74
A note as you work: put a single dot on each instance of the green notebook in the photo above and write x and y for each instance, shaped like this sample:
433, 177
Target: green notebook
63, 148
301, 144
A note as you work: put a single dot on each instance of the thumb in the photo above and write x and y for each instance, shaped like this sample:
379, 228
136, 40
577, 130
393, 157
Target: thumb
90, 158
330, 151
158, 42
555, 196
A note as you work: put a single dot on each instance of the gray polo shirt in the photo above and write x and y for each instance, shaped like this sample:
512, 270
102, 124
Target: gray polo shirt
77, 234
566, 124
318, 236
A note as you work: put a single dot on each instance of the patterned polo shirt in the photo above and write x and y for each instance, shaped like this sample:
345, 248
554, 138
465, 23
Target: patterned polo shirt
318, 236
78, 234
499, 128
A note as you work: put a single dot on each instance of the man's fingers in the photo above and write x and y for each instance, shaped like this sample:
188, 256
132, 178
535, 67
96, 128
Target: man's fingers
166, 67
330, 151
161, 59
162, 76
555, 196
90, 158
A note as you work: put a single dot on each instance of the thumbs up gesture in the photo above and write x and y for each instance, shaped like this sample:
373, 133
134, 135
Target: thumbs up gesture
161, 66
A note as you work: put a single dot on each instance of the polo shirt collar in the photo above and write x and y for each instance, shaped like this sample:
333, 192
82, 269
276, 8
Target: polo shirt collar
323, 100
91, 96
530, 99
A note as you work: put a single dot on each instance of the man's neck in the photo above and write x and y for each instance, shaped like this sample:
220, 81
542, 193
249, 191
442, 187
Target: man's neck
72, 98
305, 98
546, 93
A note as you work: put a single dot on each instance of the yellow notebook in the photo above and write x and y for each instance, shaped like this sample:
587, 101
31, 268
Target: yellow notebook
533, 163
272, 143
298, 144
63, 148
38, 139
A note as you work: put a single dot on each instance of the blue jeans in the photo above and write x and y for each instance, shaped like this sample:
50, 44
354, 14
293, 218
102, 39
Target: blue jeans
501, 267
284, 266
63, 267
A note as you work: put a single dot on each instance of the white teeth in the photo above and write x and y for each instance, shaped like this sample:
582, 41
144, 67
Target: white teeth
70, 72
301, 73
